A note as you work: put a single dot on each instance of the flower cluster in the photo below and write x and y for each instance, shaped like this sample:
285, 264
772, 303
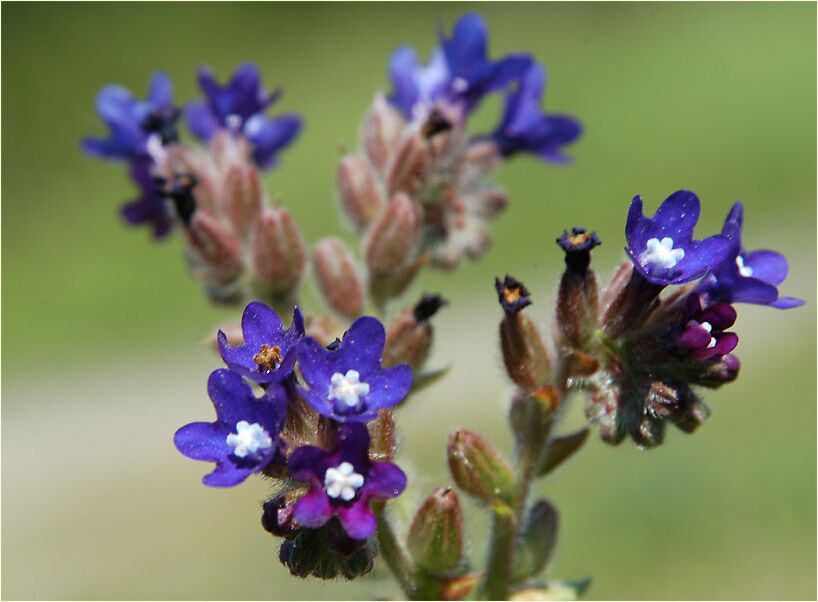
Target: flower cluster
418, 190
308, 426
660, 329
213, 194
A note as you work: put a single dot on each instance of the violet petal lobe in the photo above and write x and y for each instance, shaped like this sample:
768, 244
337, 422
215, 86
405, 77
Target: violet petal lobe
313, 510
358, 520
385, 480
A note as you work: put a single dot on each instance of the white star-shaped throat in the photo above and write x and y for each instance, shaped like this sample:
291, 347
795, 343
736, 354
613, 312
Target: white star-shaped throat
248, 439
348, 388
342, 481
661, 253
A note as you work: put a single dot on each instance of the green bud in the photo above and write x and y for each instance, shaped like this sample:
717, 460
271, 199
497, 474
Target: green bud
477, 468
435, 538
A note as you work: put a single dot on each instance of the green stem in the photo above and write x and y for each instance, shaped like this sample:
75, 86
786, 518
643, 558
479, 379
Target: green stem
394, 556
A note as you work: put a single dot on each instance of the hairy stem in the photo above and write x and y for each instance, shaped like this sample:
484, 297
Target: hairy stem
394, 555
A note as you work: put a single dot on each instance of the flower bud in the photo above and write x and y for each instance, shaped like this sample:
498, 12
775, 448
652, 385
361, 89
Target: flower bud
411, 166
491, 202
382, 130
435, 538
360, 198
393, 240
719, 373
241, 197
338, 277
323, 328
216, 252
577, 300
277, 517
409, 336
631, 305
278, 251
524, 352
537, 540
477, 468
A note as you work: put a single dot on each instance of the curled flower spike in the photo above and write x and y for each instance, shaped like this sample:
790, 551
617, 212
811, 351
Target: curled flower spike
267, 354
525, 127
703, 335
348, 383
662, 248
747, 277
459, 71
512, 294
343, 481
244, 438
133, 122
239, 106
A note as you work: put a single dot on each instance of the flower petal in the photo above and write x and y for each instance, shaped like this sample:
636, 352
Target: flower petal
200, 120
358, 520
768, 266
314, 509
385, 480
270, 135
202, 441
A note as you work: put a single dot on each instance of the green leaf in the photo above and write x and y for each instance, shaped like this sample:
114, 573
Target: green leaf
560, 449
536, 542
425, 379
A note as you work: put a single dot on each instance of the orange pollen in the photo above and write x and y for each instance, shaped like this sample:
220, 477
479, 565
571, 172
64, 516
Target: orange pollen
268, 357
579, 239
511, 295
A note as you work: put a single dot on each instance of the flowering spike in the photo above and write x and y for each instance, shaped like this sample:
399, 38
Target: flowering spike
435, 538
338, 277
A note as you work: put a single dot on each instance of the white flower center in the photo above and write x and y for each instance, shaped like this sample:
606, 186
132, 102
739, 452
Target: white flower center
342, 481
233, 122
348, 388
744, 270
661, 253
248, 439
460, 85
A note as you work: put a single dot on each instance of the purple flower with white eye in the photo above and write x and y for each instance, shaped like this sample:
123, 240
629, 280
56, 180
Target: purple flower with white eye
662, 248
526, 128
151, 207
133, 122
268, 352
459, 71
747, 277
239, 106
703, 336
348, 383
244, 438
343, 481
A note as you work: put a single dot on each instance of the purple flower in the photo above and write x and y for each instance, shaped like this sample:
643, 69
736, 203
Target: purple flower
239, 106
151, 207
459, 71
244, 438
747, 277
525, 127
703, 336
348, 383
132, 122
512, 294
268, 352
662, 248
343, 481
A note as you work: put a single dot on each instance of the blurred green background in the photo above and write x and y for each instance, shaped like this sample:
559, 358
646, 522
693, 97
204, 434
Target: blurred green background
102, 358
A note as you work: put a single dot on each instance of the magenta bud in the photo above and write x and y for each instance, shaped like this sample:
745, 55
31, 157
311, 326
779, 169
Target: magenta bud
393, 241
477, 468
241, 197
217, 250
338, 277
411, 166
382, 130
279, 254
435, 538
360, 196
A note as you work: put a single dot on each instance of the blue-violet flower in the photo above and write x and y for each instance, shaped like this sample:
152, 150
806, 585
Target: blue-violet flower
151, 207
343, 481
239, 106
268, 352
747, 277
662, 248
348, 383
133, 122
244, 438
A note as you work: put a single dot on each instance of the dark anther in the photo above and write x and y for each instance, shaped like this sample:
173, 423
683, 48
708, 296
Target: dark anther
428, 306
164, 124
512, 293
435, 124
180, 191
334, 345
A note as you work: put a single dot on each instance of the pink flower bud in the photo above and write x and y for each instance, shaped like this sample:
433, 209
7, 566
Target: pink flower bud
393, 241
361, 200
241, 197
381, 132
217, 251
411, 166
279, 254
338, 277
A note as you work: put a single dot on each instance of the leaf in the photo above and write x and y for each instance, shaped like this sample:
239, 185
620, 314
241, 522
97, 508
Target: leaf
425, 379
537, 541
560, 449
